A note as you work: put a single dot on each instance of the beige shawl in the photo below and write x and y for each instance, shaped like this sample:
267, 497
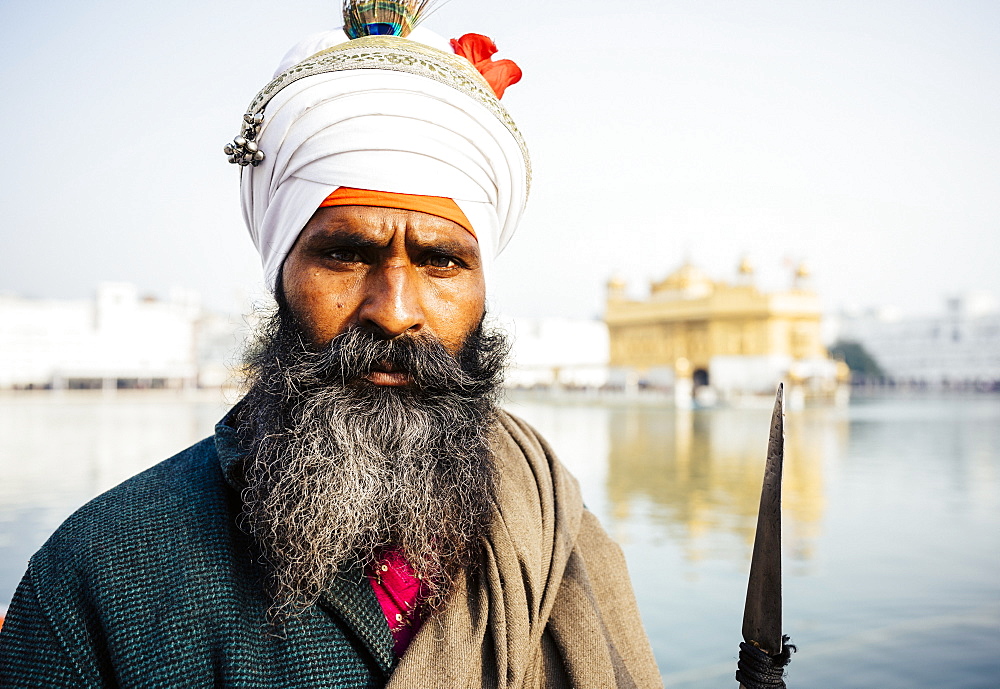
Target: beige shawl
551, 607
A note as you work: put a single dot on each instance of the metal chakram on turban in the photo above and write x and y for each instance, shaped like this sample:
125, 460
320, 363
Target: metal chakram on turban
384, 113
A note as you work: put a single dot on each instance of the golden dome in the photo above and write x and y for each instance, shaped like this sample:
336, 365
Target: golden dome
616, 284
684, 278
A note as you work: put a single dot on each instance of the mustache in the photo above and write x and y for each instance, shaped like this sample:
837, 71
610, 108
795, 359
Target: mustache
354, 354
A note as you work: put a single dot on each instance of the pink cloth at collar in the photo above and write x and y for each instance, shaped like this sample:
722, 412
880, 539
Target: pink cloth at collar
398, 591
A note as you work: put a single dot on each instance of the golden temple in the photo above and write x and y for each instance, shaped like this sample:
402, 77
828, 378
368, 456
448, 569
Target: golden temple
730, 337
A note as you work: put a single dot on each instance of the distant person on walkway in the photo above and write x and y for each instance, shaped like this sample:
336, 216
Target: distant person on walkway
366, 516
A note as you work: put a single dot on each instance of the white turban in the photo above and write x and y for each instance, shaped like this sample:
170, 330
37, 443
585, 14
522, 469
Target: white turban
384, 130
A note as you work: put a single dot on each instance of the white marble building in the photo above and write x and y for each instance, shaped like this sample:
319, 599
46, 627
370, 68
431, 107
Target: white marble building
959, 347
118, 339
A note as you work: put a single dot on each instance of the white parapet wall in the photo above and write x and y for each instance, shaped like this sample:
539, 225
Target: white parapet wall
747, 375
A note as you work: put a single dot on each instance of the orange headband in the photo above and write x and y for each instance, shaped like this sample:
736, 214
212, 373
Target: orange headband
440, 206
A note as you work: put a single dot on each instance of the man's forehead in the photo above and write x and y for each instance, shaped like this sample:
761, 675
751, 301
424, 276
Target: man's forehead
372, 224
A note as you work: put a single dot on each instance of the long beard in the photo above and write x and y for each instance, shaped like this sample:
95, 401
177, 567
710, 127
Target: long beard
340, 470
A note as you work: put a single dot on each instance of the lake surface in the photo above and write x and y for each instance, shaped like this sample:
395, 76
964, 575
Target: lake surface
891, 519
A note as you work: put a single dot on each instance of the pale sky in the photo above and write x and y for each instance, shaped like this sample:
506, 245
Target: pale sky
860, 136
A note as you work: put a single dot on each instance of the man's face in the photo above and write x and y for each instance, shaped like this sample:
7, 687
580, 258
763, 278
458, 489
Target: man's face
372, 399
392, 272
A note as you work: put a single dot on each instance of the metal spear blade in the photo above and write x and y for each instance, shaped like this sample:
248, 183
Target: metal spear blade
762, 614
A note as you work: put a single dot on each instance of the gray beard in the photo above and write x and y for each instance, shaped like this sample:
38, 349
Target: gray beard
339, 470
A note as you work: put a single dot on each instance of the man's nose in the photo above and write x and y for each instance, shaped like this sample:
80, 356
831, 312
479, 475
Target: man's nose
392, 306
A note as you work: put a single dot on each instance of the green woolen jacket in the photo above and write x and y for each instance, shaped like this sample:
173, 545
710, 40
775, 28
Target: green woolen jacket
153, 585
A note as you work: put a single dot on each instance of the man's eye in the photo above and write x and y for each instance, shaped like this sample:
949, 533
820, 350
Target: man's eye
344, 255
442, 262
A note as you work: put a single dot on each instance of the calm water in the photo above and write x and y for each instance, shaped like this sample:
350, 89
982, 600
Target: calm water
891, 519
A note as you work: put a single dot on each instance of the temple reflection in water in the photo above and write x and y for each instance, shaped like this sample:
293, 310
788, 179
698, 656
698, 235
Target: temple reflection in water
698, 474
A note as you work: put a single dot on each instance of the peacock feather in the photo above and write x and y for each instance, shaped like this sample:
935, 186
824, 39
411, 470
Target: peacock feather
383, 17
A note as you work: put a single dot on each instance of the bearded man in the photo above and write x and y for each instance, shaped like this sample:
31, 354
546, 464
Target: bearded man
367, 515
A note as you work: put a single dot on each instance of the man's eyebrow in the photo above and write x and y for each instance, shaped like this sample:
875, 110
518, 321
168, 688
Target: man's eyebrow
347, 237
444, 246
440, 243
